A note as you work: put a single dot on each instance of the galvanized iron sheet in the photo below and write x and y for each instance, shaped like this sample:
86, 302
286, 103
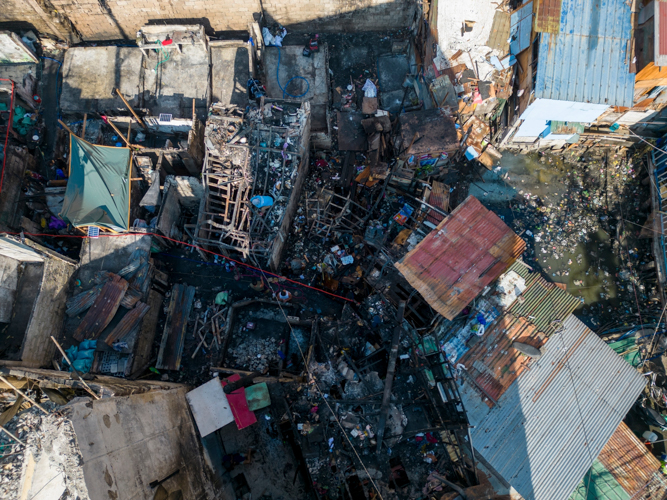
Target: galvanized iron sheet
103, 310
557, 415
465, 253
588, 60
544, 304
629, 461
128, 323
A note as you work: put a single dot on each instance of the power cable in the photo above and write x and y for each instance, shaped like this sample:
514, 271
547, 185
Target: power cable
321, 394
191, 246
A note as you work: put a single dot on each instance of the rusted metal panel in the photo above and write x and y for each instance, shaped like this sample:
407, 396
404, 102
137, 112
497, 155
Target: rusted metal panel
547, 16
500, 32
544, 304
662, 36
80, 303
128, 323
130, 298
629, 461
147, 332
465, 253
173, 336
493, 362
103, 309
439, 198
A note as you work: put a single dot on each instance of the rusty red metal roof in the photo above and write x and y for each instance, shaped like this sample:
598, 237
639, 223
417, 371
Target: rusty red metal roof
547, 16
630, 462
466, 252
493, 363
103, 310
439, 198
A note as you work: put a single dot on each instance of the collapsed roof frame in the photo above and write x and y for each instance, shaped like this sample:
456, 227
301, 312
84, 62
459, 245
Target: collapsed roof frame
227, 220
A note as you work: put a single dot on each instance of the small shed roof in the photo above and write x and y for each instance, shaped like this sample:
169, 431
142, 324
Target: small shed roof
465, 253
588, 58
560, 411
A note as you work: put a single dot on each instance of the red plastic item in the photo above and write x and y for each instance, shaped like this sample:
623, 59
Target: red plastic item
169, 41
237, 400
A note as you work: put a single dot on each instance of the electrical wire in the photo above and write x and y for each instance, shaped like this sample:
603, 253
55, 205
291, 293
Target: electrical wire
285, 93
84, 237
581, 417
322, 396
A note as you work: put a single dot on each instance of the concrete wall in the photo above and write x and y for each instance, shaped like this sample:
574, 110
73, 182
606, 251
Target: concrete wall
127, 442
339, 15
120, 19
48, 312
123, 18
285, 227
16, 15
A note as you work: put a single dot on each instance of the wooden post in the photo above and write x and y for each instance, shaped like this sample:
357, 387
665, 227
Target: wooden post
127, 104
193, 112
389, 379
19, 391
83, 130
121, 135
129, 131
62, 124
86, 386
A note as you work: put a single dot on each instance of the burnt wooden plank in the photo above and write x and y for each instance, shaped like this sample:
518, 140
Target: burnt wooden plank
103, 309
173, 336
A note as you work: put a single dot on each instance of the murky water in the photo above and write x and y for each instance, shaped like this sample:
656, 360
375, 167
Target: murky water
587, 267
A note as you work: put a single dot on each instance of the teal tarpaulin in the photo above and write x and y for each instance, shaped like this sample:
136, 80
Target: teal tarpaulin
98, 189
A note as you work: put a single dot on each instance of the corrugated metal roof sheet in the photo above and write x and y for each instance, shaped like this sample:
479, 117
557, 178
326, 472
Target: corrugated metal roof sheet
500, 32
629, 461
493, 363
465, 253
555, 416
103, 309
547, 16
439, 198
173, 336
127, 323
588, 59
543, 304
521, 24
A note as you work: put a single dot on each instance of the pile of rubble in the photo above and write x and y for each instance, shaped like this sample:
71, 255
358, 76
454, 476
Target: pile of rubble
256, 355
50, 457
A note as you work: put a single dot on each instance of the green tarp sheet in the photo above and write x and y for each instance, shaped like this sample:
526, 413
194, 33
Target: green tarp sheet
628, 349
98, 189
599, 484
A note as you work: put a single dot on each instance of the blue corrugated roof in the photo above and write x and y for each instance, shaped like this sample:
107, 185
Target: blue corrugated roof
588, 60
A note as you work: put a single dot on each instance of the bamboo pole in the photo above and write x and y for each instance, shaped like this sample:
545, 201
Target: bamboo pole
86, 386
19, 391
134, 113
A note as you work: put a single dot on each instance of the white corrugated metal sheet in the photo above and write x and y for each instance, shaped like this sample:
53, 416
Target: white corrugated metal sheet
557, 416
